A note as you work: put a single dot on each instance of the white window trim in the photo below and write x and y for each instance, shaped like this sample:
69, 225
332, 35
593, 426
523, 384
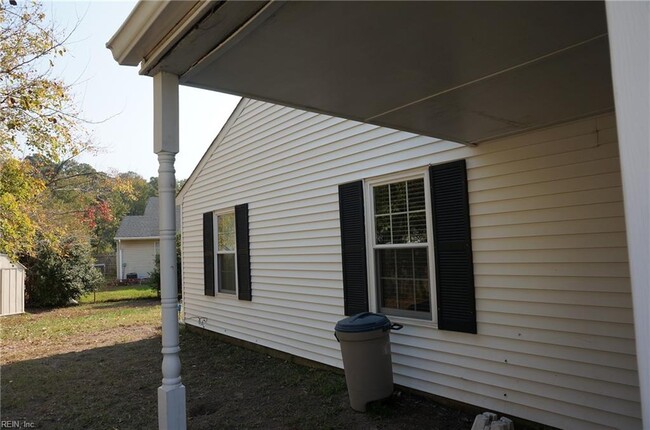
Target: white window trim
215, 233
369, 204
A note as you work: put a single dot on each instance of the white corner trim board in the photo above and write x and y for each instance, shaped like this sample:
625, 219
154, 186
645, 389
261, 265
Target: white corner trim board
629, 38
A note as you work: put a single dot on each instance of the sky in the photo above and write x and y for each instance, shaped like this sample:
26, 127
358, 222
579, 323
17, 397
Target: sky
118, 102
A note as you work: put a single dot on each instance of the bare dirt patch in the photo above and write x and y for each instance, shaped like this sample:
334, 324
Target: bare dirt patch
20, 350
107, 379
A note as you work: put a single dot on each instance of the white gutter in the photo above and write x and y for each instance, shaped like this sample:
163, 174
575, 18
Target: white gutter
141, 32
191, 18
137, 238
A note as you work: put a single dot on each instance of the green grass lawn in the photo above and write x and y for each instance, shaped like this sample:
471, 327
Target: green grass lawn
39, 332
117, 293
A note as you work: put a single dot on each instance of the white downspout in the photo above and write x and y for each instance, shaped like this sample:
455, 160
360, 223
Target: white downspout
120, 260
171, 394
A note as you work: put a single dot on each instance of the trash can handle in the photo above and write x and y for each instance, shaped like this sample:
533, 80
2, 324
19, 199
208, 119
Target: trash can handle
396, 326
337, 338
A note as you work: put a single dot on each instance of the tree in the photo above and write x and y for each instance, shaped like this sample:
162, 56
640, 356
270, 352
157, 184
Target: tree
19, 192
37, 109
52, 208
179, 184
153, 183
98, 199
38, 118
141, 189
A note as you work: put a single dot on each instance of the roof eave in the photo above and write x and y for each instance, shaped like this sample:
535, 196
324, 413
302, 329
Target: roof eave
137, 238
139, 35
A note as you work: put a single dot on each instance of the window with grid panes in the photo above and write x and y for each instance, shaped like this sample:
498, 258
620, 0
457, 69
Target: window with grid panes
401, 248
226, 253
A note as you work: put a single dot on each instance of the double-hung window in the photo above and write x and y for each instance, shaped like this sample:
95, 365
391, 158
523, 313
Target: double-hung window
406, 246
225, 238
401, 246
226, 253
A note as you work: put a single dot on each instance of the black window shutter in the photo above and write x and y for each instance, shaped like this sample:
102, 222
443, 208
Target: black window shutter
208, 254
453, 247
243, 253
353, 247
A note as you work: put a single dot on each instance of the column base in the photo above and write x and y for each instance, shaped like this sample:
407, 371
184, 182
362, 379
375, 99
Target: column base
171, 407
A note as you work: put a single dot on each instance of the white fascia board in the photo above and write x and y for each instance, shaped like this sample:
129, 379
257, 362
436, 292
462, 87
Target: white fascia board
148, 27
137, 238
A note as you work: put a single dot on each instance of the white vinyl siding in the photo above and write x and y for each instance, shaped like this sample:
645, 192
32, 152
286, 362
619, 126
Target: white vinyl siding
138, 256
555, 340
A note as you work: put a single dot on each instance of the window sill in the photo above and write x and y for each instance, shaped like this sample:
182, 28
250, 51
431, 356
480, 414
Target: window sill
412, 322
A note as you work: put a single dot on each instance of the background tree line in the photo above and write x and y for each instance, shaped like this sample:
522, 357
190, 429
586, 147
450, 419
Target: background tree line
56, 214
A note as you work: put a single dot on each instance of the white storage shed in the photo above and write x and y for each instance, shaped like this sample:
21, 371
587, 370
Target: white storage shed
12, 284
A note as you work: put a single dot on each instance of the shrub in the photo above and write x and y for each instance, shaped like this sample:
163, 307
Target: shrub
58, 275
154, 275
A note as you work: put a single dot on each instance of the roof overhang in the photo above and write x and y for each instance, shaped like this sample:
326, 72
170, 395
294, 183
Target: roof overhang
148, 25
137, 238
464, 71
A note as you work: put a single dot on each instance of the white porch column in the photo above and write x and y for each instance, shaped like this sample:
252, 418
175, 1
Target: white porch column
629, 40
171, 394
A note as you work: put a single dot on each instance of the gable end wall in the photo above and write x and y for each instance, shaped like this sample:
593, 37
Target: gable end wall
138, 256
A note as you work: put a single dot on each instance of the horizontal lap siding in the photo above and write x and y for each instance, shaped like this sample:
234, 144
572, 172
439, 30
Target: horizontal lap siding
139, 256
556, 340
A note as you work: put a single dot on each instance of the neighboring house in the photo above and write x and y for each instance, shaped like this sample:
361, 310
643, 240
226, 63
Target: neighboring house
294, 211
138, 242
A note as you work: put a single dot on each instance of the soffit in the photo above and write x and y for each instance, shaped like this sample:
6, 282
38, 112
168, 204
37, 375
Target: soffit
464, 71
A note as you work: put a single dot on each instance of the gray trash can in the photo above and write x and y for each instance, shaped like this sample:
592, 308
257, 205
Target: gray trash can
365, 347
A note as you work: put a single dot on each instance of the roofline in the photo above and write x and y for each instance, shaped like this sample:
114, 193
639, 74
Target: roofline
15, 263
137, 238
137, 37
213, 146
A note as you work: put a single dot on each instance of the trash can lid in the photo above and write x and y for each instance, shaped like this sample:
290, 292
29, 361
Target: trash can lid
365, 321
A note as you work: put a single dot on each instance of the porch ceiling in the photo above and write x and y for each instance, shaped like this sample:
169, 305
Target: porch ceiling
464, 71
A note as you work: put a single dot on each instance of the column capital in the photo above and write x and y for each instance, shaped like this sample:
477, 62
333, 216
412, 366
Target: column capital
165, 113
